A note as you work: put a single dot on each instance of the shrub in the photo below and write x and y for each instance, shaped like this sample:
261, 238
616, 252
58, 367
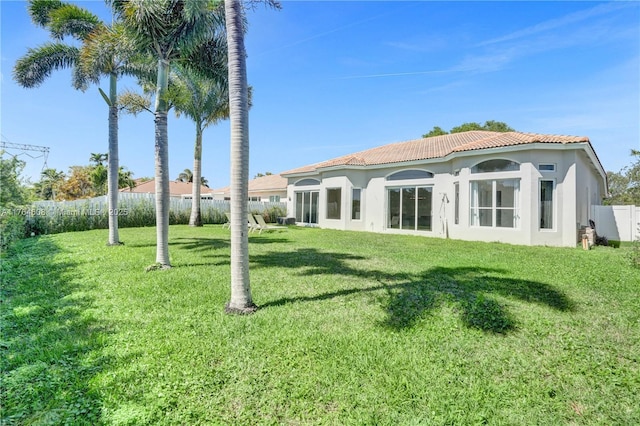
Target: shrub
633, 256
12, 227
601, 240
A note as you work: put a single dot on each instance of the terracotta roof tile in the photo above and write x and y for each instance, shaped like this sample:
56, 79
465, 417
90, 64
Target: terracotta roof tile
176, 189
437, 147
263, 183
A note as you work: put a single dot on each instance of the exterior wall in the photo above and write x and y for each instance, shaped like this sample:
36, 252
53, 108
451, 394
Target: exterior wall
571, 166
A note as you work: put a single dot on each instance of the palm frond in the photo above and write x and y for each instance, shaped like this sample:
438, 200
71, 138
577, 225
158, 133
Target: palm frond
134, 103
40, 10
71, 20
38, 64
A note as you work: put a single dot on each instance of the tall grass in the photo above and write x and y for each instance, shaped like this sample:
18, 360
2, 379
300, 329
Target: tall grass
135, 210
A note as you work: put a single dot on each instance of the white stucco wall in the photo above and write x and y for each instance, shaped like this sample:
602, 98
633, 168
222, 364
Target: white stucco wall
573, 174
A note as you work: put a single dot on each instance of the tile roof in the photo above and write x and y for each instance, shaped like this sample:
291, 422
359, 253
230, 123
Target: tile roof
438, 147
263, 183
176, 189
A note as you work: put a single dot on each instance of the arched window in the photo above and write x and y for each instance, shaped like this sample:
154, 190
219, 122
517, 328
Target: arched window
498, 165
410, 174
307, 182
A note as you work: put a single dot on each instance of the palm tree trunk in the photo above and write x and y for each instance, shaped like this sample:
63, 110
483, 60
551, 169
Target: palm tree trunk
113, 160
162, 167
196, 219
240, 301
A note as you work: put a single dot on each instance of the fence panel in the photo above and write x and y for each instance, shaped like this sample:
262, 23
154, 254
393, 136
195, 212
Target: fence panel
617, 222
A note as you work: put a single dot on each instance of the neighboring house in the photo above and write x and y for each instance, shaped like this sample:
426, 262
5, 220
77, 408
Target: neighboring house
269, 188
519, 188
176, 189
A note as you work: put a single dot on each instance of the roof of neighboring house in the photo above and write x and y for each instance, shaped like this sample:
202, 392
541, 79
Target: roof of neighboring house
268, 183
176, 189
438, 147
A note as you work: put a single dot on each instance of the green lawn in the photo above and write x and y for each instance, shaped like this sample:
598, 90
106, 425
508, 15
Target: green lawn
353, 328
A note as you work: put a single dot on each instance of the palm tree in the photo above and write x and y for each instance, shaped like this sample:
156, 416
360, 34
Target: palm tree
98, 159
240, 301
170, 30
206, 102
186, 176
125, 178
103, 51
50, 180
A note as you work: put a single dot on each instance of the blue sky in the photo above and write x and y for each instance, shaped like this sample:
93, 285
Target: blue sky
331, 78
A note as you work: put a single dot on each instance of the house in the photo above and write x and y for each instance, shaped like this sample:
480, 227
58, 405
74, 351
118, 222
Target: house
269, 188
176, 189
519, 188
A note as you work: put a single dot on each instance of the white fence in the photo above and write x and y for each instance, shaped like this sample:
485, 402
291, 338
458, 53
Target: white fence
621, 223
128, 199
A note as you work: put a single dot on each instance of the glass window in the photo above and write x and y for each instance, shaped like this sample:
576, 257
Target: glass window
410, 174
495, 166
456, 203
356, 197
394, 208
274, 198
334, 196
547, 167
546, 204
410, 208
307, 182
494, 203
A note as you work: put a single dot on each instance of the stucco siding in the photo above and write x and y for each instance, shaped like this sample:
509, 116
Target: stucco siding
567, 171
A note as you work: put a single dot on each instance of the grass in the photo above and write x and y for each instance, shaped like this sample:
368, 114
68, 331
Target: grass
353, 328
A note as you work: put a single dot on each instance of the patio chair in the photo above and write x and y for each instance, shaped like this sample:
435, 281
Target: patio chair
263, 225
227, 224
253, 225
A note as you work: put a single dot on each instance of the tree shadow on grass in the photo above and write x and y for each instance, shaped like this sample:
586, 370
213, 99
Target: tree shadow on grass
50, 342
409, 297
472, 290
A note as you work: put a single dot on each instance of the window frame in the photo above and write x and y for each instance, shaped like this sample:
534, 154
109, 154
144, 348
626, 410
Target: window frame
416, 208
541, 168
554, 210
360, 198
475, 217
339, 202
397, 176
474, 169
456, 203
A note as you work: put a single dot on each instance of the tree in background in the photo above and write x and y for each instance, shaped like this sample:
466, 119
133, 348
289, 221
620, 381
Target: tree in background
170, 31
624, 186
79, 184
13, 192
50, 181
205, 101
490, 125
187, 176
262, 174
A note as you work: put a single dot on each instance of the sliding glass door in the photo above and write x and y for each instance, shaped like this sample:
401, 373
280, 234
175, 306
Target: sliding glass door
409, 207
307, 207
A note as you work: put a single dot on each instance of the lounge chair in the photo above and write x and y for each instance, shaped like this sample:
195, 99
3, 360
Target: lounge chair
227, 224
253, 225
263, 225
